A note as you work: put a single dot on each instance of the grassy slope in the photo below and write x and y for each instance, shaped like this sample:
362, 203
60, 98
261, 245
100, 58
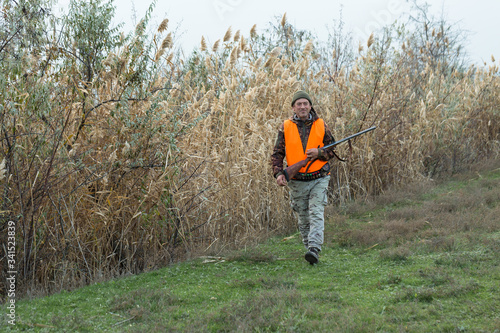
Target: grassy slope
422, 259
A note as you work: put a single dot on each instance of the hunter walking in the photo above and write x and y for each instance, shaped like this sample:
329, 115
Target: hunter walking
301, 136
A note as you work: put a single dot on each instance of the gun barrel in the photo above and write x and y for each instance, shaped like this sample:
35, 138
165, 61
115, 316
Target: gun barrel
350, 137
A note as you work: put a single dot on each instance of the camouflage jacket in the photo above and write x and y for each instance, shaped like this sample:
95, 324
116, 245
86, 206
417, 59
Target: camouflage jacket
304, 129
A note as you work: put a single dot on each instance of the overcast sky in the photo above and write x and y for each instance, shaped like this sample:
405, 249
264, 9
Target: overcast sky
211, 18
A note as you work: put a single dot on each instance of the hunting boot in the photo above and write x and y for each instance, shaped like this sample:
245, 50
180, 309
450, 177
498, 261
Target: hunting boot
312, 255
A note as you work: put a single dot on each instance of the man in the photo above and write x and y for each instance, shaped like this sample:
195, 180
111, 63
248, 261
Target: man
301, 136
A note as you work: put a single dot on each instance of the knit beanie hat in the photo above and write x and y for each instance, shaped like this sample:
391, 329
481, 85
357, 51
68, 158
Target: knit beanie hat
301, 94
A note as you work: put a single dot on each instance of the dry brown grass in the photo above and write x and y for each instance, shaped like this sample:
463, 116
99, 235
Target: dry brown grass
420, 218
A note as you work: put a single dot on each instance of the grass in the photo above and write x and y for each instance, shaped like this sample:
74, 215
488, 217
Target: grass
425, 263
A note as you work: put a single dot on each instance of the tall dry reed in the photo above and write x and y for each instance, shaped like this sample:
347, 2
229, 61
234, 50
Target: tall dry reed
133, 171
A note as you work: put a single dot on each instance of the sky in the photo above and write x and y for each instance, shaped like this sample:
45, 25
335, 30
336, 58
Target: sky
211, 18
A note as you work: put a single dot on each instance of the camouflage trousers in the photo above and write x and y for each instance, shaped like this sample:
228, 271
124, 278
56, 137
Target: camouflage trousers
308, 200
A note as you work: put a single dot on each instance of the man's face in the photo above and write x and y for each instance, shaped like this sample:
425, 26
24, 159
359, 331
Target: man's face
302, 107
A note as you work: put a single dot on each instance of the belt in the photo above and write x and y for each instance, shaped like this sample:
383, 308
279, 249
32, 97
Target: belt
310, 175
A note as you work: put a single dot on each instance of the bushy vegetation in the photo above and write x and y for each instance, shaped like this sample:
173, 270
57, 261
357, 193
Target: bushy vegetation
119, 154
376, 274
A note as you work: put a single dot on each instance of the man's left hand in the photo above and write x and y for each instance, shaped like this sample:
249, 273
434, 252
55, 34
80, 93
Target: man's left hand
312, 153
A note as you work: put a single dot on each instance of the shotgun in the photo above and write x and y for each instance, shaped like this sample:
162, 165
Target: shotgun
292, 170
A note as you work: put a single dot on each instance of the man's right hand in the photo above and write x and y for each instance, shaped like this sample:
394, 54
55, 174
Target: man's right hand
281, 180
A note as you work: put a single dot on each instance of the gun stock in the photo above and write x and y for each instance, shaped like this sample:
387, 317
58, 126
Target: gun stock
293, 169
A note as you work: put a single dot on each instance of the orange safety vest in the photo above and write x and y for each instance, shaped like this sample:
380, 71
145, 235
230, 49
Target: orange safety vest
293, 144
